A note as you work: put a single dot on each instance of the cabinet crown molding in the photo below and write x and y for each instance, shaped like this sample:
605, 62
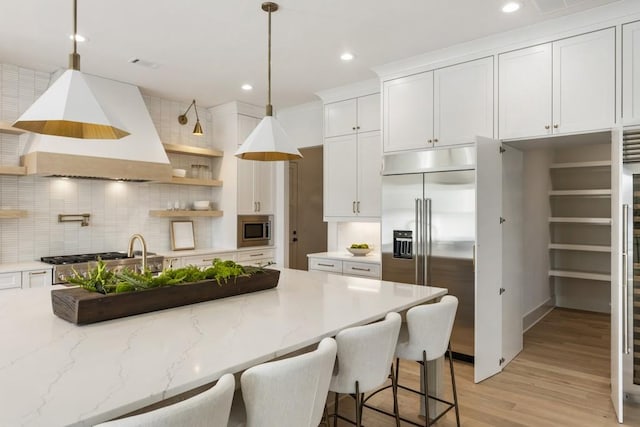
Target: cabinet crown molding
355, 90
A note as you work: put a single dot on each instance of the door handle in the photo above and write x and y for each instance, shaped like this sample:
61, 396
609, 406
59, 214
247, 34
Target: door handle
358, 206
295, 239
353, 206
427, 243
625, 281
418, 239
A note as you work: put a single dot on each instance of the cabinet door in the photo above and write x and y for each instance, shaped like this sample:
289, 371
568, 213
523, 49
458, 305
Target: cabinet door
584, 82
36, 278
524, 92
408, 112
340, 118
369, 113
245, 183
369, 179
246, 205
10, 280
463, 102
631, 73
340, 175
263, 186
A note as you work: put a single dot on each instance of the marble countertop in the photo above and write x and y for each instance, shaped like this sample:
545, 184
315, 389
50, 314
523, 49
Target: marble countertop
371, 257
54, 373
195, 252
24, 266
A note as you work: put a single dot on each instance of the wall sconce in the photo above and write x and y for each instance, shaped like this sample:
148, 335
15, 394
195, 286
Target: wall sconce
182, 119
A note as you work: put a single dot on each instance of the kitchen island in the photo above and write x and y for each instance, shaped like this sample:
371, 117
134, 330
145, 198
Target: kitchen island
55, 373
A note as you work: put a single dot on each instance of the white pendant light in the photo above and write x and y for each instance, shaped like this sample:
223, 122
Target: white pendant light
69, 108
268, 141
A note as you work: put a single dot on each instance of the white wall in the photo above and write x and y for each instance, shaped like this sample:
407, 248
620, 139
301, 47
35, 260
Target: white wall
118, 209
303, 123
341, 235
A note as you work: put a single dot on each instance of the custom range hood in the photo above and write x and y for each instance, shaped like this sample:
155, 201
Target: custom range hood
139, 156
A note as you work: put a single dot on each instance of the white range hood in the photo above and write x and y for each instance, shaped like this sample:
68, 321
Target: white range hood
139, 156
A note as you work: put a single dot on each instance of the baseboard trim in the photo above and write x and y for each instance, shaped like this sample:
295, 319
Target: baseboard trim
537, 314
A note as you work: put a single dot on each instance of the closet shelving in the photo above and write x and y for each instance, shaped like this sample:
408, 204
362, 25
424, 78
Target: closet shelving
580, 220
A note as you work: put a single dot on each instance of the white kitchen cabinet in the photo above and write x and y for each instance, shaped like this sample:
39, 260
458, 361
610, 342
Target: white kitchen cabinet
408, 112
343, 264
256, 180
10, 280
350, 116
37, 278
448, 106
206, 260
352, 180
631, 73
256, 257
562, 87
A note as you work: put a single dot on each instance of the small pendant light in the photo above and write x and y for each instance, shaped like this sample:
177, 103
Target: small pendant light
268, 141
69, 108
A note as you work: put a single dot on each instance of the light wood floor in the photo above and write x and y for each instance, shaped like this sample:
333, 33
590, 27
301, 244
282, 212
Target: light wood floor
561, 378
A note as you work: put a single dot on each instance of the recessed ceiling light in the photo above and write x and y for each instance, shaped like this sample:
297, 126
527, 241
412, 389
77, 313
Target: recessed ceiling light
79, 38
347, 56
511, 7
246, 86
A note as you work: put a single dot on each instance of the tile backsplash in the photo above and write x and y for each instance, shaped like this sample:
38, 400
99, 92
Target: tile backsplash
118, 209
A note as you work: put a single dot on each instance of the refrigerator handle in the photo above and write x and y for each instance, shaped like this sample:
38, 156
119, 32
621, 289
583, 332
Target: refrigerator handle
418, 240
625, 280
427, 242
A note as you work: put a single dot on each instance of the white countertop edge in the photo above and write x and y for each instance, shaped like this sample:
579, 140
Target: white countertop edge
195, 252
24, 266
370, 258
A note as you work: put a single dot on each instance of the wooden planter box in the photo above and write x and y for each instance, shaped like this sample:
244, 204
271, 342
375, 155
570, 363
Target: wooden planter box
80, 306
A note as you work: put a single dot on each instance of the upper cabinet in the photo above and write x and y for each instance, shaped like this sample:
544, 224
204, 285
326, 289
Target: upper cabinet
562, 87
448, 106
631, 73
352, 115
256, 180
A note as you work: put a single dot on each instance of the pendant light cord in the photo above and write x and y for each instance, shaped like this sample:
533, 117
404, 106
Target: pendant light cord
75, 27
269, 107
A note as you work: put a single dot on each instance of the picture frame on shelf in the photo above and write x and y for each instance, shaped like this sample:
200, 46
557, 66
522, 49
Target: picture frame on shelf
182, 235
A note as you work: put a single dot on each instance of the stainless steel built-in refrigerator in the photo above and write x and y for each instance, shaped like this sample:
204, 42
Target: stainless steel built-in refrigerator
428, 228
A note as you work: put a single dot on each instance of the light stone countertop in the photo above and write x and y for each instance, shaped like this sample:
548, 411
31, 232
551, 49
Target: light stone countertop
370, 258
54, 373
195, 252
24, 266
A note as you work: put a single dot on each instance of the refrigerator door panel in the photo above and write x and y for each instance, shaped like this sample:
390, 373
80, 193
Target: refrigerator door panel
451, 236
401, 204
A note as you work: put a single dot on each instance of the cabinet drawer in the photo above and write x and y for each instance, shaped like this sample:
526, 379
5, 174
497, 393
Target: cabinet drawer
206, 260
10, 280
36, 278
251, 256
322, 264
361, 269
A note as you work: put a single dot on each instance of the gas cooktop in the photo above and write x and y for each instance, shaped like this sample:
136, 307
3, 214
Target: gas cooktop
74, 259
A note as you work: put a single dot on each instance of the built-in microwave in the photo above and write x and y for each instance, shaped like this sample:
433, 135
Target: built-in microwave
254, 230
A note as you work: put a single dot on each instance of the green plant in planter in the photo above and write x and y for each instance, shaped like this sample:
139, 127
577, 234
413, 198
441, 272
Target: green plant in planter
104, 281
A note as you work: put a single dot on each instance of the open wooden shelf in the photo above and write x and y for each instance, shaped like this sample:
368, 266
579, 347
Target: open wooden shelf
184, 214
584, 248
576, 220
594, 164
7, 128
191, 150
13, 170
580, 275
194, 181
12, 213
592, 193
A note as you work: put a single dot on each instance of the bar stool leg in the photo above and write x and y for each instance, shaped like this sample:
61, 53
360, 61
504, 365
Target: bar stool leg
425, 378
453, 385
394, 388
335, 410
358, 406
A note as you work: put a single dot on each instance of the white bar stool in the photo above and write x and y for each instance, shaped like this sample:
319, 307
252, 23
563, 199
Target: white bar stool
286, 393
207, 409
425, 338
365, 355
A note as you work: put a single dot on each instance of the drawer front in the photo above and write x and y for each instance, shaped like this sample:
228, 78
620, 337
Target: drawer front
263, 255
172, 262
36, 278
361, 269
323, 264
10, 280
207, 259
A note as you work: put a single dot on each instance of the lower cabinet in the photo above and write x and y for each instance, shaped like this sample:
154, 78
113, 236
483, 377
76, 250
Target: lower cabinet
207, 259
10, 280
345, 268
26, 279
256, 257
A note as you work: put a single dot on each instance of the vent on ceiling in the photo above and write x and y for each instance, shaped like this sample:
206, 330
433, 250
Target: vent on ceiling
631, 146
551, 6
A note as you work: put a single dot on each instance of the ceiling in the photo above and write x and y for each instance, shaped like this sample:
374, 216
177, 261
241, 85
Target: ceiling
206, 49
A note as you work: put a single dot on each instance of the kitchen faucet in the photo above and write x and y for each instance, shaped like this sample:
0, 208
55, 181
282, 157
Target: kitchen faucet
144, 249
